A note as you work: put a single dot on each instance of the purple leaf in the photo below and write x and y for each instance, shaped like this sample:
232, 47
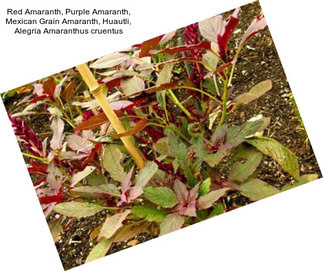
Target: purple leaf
171, 223
257, 24
187, 199
118, 105
79, 144
57, 127
181, 191
207, 200
224, 37
211, 28
129, 193
81, 175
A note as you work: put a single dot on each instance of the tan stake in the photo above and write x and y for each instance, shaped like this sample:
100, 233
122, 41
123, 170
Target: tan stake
96, 90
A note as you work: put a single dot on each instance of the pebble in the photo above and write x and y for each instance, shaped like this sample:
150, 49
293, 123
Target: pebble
132, 243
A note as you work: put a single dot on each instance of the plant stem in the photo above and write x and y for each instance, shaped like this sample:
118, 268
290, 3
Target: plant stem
35, 157
171, 128
186, 64
202, 92
178, 103
235, 58
224, 105
216, 85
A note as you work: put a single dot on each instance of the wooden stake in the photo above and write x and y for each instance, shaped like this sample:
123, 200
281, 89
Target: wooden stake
96, 90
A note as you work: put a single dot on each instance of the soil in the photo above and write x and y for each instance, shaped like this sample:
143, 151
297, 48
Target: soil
258, 62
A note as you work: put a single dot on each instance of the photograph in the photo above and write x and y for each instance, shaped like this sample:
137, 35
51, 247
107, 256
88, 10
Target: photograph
158, 136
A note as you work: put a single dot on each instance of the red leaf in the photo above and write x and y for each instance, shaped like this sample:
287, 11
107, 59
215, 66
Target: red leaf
137, 102
259, 23
91, 157
93, 122
39, 98
204, 45
219, 69
137, 128
50, 199
182, 59
69, 90
40, 181
160, 87
38, 168
224, 38
149, 45
113, 83
49, 87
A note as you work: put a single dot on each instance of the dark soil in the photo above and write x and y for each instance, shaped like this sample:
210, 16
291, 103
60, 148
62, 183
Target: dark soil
253, 67
258, 62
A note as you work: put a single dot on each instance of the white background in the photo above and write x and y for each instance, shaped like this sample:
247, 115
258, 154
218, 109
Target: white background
283, 232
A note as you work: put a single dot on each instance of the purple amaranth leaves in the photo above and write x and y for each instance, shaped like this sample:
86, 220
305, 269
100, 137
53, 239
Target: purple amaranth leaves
51, 188
218, 30
57, 127
259, 23
192, 37
128, 192
81, 145
226, 33
26, 135
187, 199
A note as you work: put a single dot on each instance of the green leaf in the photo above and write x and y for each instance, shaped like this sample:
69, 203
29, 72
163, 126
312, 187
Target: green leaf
209, 85
146, 173
210, 60
205, 187
283, 156
129, 231
77, 209
165, 75
162, 196
112, 224
237, 134
99, 250
171, 223
110, 189
8, 94
215, 158
149, 213
255, 92
55, 228
132, 85
241, 171
112, 162
200, 151
217, 210
256, 189
95, 179
244, 151
207, 200
302, 180
179, 150
161, 147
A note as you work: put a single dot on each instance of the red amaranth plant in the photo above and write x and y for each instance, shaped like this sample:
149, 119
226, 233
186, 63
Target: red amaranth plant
192, 37
32, 143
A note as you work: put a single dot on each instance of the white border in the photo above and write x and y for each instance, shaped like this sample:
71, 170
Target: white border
283, 232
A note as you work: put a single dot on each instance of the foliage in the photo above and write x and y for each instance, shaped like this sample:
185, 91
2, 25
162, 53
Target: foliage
173, 93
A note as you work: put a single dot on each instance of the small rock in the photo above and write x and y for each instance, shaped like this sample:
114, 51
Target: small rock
132, 243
